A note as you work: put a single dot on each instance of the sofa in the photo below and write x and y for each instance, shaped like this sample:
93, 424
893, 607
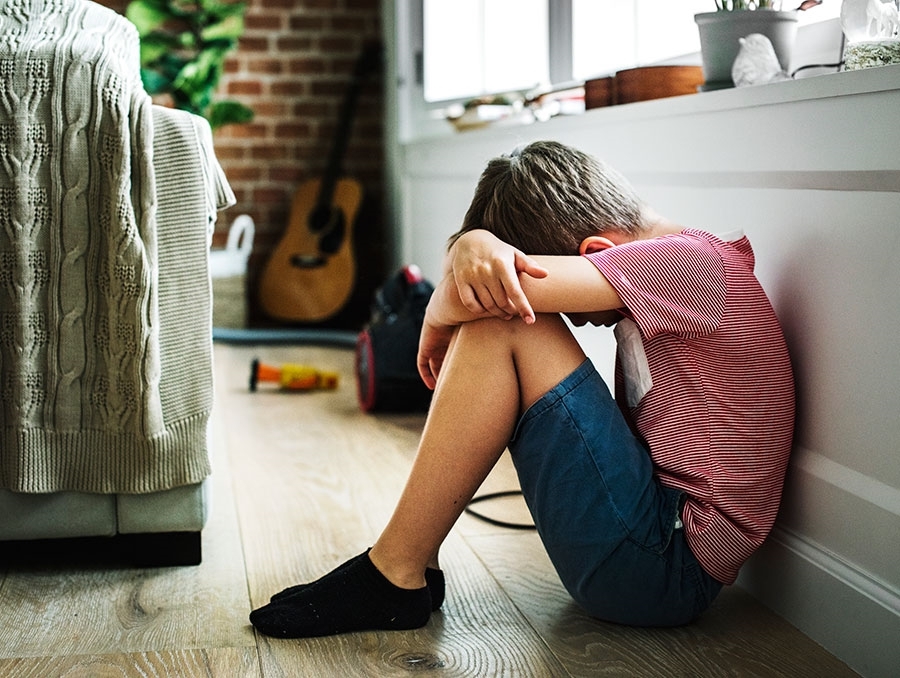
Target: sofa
107, 205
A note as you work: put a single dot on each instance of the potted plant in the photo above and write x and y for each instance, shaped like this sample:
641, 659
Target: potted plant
184, 44
721, 30
872, 31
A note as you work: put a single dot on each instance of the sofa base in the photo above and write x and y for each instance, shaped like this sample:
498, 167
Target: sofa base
152, 549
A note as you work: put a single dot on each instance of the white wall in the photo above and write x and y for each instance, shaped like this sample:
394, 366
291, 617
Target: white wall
810, 170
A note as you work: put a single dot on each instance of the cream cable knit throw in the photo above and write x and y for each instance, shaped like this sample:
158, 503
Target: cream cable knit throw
79, 320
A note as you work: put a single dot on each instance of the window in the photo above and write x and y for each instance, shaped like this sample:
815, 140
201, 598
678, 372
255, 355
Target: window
448, 51
611, 35
472, 47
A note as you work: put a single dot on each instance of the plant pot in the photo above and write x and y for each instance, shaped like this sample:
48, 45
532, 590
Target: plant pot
721, 31
656, 82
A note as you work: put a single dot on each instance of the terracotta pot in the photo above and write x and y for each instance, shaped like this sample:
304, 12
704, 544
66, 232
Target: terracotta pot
599, 92
720, 32
642, 84
656, 82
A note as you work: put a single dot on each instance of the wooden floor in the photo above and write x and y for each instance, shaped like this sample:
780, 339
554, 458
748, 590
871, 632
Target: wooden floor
301, 482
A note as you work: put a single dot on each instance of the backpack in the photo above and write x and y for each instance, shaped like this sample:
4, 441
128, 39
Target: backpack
387, 378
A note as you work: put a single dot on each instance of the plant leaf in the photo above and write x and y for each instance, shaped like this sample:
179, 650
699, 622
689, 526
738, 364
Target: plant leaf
154, 82
146, 15
228, 113
228, 28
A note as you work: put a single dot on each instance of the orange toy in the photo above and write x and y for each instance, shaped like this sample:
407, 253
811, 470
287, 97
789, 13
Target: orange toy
292, 377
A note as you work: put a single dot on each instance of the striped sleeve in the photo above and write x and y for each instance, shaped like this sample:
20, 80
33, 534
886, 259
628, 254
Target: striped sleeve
676, 283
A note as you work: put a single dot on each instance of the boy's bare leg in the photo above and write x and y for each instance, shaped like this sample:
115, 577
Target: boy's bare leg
493, 372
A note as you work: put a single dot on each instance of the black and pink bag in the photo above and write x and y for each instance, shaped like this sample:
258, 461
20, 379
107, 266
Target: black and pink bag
386, 374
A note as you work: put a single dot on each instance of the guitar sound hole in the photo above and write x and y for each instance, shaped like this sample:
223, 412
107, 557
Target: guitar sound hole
327, 222
307, 261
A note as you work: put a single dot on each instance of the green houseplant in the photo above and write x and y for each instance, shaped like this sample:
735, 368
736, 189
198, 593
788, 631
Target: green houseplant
183, 49
721, 30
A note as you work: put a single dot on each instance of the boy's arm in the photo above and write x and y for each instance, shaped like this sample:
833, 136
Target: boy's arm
494, 277
572, 285
552, 284
445, 311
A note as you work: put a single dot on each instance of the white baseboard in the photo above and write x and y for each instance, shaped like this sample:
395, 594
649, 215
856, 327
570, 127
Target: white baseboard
852, 614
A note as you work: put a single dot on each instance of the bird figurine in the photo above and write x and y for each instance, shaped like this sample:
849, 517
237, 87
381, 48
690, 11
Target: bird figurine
756, 62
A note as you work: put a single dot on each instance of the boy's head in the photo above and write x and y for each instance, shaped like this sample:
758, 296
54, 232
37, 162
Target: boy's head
546, 198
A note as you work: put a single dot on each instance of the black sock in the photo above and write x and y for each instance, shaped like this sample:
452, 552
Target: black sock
352, 597
434, 579
291, 590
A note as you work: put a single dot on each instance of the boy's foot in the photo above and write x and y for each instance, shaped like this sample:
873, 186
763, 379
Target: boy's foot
353, 597
434, 578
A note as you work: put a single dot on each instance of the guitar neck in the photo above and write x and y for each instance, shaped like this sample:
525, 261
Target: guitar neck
332, 173
333, 169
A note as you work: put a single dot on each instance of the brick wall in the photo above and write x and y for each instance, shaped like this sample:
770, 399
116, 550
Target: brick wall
292, 67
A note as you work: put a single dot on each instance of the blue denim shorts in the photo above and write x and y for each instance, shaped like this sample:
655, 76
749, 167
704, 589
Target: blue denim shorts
607, 524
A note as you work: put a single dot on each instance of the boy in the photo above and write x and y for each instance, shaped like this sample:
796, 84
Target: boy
646, 504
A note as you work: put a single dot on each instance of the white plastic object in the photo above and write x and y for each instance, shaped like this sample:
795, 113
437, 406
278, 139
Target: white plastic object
232, 261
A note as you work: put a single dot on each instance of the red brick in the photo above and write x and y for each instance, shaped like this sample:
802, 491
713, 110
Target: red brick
250, 87
324, 4
252, 44
269, 195
307, 65
263, 22
244, 173
373, 6
307, 23
225, 152
265, 66
350, 24
271, 108
246, 131
293, 43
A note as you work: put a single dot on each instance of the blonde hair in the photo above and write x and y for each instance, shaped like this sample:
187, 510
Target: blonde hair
546, 197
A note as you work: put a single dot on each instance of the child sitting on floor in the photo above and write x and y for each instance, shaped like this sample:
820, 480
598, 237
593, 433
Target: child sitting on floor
647, 503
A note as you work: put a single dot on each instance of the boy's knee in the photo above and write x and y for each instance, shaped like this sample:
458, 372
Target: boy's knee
494, 330
487, 326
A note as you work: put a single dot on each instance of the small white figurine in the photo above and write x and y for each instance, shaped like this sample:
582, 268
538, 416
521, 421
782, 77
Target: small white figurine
872, 28
756, 62
883, 17
869, 19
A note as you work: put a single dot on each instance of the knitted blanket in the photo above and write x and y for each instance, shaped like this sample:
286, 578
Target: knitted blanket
80, 401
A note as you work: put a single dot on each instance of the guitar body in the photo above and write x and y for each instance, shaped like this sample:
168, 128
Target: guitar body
312, 272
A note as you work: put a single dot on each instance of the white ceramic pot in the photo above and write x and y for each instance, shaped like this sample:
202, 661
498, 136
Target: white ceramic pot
720, 32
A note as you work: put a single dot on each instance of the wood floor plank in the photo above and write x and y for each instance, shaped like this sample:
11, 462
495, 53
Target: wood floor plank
70, 610
211, 663
736, 637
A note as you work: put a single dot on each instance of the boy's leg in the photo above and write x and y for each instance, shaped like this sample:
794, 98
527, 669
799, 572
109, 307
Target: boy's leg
493, 371
606, 522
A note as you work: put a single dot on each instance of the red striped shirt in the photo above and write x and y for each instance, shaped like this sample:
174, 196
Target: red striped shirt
719, 415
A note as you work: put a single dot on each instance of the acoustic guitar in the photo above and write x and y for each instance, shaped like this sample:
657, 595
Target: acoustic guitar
311, 273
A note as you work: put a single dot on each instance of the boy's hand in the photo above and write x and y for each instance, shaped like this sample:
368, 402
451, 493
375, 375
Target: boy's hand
442, 316
433, 344
486, 271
